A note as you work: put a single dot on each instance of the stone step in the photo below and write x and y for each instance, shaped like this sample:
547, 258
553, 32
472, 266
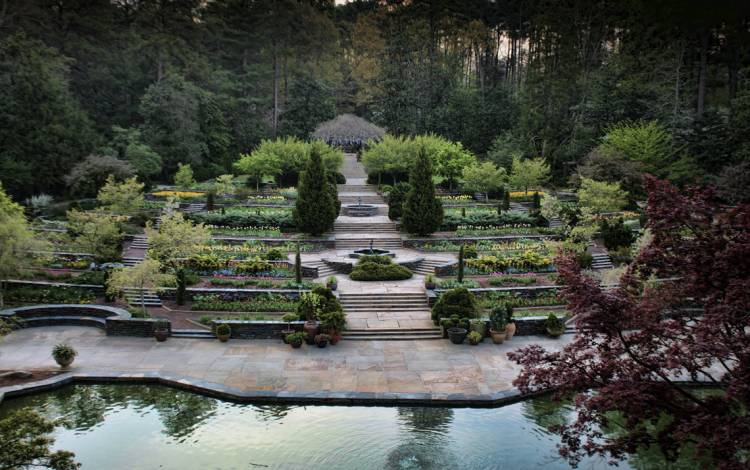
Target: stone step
129, 262
393, 334
196, 334
384, 295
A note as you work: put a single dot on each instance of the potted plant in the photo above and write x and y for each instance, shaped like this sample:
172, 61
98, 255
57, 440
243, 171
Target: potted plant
332, 283
510, 324
555, 326
322, 340
64, 354
479, 326
161, 330
429, 282
498, 324
223, 332
446, 323
333, 323
295, 339
475, 338
457, 335
288, 318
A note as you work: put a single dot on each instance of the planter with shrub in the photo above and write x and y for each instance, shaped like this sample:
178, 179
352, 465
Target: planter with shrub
498, 324
475, 338
457, 335
555, 326
459, 301
161, 330
223, 332
64, 354
322, 340
295, 339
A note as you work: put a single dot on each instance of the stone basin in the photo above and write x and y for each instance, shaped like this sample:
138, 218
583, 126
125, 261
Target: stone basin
360, 210
371, 252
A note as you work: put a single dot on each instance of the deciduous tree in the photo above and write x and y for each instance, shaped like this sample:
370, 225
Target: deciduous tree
639, 349
529, 174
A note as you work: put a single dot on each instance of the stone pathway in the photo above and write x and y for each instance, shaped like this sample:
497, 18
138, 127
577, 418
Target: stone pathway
437, 368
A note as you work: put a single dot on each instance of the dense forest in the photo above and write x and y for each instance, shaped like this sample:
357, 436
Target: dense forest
155, 83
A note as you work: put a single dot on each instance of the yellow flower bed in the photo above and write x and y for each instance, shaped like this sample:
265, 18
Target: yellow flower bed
517, 194
180, 194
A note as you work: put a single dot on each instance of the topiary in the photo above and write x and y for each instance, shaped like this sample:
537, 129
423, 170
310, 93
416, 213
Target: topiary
459, 301
274, 254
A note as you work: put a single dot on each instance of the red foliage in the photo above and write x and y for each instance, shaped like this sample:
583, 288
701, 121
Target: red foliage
641, 346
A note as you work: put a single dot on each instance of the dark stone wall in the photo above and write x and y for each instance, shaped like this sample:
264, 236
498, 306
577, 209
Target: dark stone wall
229, 293
63, 310
526, 326
141, 327
258, 329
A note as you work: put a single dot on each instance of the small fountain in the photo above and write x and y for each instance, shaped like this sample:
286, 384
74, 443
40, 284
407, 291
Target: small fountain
360, 210
371, 252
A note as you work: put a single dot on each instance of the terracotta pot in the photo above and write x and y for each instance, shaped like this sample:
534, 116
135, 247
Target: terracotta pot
335, 336
283, 335
64, 362
498, 336
510, 330
311, 328
223, 338
457, 335
161, 335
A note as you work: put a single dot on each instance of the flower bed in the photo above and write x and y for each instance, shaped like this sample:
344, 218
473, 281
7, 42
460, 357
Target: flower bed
213, 265
527, 261
266, 200
458, 200
499, 230
243, 282
453, 283
488, 300
262, 303
48, 295
261, 232
454, 219
247, 217
178, 194
252, 249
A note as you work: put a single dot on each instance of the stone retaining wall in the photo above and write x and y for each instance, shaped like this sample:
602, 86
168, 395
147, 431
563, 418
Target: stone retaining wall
525, 326
258, 329
141, 327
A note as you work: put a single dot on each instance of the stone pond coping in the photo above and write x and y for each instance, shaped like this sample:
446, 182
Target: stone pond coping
224, 392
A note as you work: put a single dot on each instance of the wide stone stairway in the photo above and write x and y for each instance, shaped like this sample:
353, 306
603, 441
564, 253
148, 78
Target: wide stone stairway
388, 316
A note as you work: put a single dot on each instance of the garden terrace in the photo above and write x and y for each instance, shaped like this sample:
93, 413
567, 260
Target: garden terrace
32, 292
64, 314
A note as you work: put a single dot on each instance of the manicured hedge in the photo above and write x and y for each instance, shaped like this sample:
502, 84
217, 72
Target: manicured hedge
379, 268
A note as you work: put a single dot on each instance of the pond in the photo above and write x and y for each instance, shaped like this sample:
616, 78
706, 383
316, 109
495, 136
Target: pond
143, 427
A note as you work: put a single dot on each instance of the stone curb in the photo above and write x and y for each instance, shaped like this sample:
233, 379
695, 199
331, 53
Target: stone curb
227, 393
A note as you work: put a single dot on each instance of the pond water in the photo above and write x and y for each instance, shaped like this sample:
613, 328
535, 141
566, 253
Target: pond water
145, 427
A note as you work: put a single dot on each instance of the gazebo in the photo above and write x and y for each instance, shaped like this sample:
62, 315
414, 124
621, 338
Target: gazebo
348, 131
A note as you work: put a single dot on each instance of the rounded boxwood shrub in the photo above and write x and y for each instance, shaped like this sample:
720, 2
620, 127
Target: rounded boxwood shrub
379, 268
459, 301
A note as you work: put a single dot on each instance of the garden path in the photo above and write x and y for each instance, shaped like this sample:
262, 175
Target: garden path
438, 369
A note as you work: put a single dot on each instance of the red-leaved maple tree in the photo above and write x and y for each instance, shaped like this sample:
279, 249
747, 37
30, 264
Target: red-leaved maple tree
645, 351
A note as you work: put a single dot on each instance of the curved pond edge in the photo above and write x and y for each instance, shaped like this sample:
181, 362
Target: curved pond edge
223, 392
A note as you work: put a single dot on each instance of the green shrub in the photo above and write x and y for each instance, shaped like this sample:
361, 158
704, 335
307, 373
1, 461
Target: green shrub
315, 209
379, 268
615, 234
499, 318
223, 329
554, 323
274, 254
585, 259
422, 210
396, 198
458, 301
470, 251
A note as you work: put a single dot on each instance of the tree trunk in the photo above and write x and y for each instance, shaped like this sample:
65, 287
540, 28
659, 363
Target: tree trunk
275, 91
2, 294
702, 74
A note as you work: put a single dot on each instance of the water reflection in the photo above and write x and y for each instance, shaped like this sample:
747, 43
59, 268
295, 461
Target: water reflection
424, 445
137, 426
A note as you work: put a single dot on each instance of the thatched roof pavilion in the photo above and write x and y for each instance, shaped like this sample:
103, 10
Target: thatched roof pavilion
348, 130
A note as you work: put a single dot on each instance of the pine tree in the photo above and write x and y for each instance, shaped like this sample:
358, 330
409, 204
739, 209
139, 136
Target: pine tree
315, 210
181, 285
460, 277
423, 211
506, 201
210, 201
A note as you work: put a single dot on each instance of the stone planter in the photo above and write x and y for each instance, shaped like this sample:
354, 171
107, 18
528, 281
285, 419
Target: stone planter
223, 338
457, 335
64, 362
556, 332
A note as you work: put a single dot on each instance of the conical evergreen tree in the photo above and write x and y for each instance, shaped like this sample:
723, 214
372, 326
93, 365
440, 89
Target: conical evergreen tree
422, 210
315, 210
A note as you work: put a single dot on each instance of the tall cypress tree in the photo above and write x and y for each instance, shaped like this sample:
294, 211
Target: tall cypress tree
422, 210
315, 210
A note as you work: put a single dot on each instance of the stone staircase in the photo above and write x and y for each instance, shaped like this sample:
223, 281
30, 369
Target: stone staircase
365, 227
140, 242
601, 261
131, 261
357, 243
323, 269
427, 266
150, 297
357, 188
388, 316
193, 334
556, 223
347, 198
194, 207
